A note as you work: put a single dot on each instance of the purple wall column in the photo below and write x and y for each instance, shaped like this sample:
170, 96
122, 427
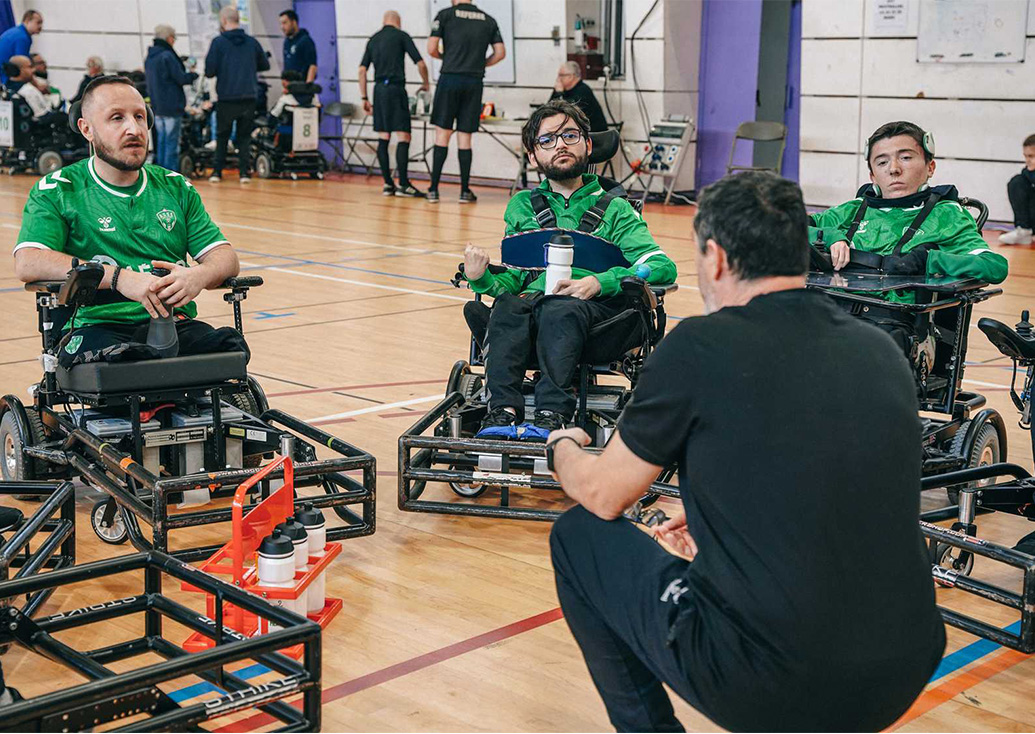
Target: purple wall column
317, 17
730, 32
792, 113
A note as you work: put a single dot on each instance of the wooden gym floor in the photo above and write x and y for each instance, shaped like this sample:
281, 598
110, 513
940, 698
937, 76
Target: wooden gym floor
450, 623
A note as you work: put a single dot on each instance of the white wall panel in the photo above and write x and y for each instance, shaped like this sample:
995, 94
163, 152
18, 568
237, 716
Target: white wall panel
536, 19
830, 66
170, 12
981, 180
830, 124
110, 16
635, 10
72, 49
828, 179
831, 18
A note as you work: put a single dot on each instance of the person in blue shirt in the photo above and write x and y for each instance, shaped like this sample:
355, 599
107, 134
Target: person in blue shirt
18, 40
299, 47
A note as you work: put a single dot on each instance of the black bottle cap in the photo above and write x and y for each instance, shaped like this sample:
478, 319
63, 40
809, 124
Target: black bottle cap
276, 544
562, 239
308, 515
293, 530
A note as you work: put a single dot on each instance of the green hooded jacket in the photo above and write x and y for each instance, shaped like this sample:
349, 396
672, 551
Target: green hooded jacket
621, 224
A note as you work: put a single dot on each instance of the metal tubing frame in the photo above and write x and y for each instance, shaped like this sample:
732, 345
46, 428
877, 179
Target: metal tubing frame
109, 696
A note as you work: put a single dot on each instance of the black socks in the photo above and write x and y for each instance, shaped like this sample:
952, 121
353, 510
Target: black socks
438, 160
402, 163
382, 159
465, 168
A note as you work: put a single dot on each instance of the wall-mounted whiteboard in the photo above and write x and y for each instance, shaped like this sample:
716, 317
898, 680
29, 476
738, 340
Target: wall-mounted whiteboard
503, 12
972, 31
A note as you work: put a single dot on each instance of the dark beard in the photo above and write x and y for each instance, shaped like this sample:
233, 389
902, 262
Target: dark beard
575, 169
118, 164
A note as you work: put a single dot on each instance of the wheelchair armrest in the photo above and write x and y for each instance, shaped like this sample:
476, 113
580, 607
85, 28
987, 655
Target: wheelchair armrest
660, 291
242, 281
44, 286
640, 292
461, 276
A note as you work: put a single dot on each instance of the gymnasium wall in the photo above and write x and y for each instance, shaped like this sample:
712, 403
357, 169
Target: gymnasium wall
853, 79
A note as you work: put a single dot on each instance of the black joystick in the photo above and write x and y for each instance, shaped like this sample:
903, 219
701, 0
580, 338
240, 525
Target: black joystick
1024, 326
161, 334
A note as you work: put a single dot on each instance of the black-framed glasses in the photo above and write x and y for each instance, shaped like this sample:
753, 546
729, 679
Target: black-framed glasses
549, 140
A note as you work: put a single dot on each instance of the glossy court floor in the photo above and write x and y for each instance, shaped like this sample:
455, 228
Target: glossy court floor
450, 623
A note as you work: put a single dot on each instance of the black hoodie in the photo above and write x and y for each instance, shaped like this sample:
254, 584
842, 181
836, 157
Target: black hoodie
165, 79
299, 52
235, 58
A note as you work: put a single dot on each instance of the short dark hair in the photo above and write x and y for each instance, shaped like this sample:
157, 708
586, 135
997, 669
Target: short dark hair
291, 14
103, 81
29, 15
1029, 141
759, 219
894, 129
554, 107
291, 75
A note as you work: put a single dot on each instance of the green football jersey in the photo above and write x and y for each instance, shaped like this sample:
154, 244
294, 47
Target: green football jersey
161, 217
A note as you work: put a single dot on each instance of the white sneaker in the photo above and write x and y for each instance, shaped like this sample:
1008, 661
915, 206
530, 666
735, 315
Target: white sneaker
215, 179
246, 179
1018, 236
210, 145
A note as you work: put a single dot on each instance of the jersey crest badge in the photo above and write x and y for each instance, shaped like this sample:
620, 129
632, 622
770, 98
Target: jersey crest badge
167, 219
73, 344
105, 223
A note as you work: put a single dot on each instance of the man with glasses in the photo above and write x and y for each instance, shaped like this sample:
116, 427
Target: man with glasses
570, 87
554, 327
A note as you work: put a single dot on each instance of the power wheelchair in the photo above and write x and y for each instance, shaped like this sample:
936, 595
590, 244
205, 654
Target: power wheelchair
442, 447
179, 430
281, 148
43, 145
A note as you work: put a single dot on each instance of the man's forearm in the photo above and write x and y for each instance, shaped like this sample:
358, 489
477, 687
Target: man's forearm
423, 69
311, 73
576, 471
218, 265
363, 82
31, 264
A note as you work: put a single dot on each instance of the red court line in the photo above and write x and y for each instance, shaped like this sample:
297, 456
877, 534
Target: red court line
401, 414
409, 666
938, 695
311, 390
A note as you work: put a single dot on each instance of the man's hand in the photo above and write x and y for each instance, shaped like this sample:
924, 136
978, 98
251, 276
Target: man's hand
137, 287
476, 260
558, 85
181, 286
674, 534
367, 107
581, 438
840, 254
425, 87
584, 288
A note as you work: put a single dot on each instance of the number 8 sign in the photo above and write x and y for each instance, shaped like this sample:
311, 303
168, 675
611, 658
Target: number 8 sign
305, 128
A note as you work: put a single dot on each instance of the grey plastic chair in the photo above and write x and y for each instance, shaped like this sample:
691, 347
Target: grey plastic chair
759, 132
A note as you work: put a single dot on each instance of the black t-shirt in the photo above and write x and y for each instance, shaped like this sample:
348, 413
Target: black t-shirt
583, 96
386, 50
796, 433
466, 34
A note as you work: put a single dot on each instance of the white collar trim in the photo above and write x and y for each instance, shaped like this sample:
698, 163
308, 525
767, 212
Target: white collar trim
143, 185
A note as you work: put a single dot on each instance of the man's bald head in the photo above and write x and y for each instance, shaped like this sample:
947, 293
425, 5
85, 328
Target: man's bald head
392, 18
229, 18
24, 64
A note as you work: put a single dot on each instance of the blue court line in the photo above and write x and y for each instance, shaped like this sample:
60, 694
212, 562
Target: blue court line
264, 315
303, 261
10, 290
252, 671
966, 655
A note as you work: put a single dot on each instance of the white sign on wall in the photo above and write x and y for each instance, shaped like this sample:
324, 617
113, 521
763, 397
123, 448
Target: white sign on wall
890, 16
6, 124
305, 128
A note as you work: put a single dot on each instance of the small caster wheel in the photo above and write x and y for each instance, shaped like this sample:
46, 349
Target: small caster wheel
113, 534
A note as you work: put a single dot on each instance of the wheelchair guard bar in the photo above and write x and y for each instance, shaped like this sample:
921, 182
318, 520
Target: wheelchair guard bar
55, 552
146, 497
415, 449
109, 697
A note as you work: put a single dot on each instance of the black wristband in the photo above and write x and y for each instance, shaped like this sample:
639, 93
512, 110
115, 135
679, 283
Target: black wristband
115, 278
550, 447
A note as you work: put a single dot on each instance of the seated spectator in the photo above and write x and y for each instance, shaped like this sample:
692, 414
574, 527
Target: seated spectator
570, 87
39, 69
17, 41
1021, 190
94, 69
35, 91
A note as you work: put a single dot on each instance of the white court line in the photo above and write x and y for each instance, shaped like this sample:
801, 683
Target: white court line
317, 276
342, 240
376, 408
979, 383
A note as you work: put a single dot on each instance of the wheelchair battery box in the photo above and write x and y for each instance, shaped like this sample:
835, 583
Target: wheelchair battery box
106, 427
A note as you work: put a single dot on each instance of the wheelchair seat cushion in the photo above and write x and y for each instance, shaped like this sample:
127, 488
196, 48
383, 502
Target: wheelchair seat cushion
98, 378
608, 340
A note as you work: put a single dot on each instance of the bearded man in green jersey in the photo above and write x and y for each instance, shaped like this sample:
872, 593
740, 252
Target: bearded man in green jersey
555, 327
132, 218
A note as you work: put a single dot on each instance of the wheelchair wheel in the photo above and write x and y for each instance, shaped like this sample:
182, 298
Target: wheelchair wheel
15, 466
954, 559
114, 534
470, 491
48, 161
253, 402
986, 451
263, 165
318, 175
187, 165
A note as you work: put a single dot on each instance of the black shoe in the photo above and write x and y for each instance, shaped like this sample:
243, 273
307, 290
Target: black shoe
432, 196
10, 517
499, 424
467, 197
542, 425
1026, 544
388, 190
409, 192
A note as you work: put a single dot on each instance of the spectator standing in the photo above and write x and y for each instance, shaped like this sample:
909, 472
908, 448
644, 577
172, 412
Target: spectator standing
299, 47
234, 59
570, 87
94, 69
166, 77
17, 41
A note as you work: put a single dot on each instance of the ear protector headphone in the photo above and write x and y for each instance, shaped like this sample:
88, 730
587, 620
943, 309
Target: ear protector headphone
75, 111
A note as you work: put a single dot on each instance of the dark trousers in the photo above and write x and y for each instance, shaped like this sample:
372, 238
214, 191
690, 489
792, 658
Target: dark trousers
243, 113
1022, 199
619, 591
196, 337
552, 329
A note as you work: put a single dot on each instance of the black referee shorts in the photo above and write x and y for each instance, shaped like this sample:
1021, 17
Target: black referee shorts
457, 98
391, 108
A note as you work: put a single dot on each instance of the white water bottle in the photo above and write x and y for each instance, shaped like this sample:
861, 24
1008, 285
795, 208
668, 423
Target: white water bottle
300, 542
276, 568
560, 254
312, 520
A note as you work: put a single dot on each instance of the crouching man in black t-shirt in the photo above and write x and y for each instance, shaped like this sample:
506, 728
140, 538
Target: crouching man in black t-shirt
777, 623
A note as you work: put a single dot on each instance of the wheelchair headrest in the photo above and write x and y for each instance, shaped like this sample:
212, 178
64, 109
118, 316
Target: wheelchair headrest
296, 89
605, 145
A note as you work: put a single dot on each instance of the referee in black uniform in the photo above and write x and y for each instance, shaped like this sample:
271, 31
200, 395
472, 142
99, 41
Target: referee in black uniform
387, 50
465, 33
